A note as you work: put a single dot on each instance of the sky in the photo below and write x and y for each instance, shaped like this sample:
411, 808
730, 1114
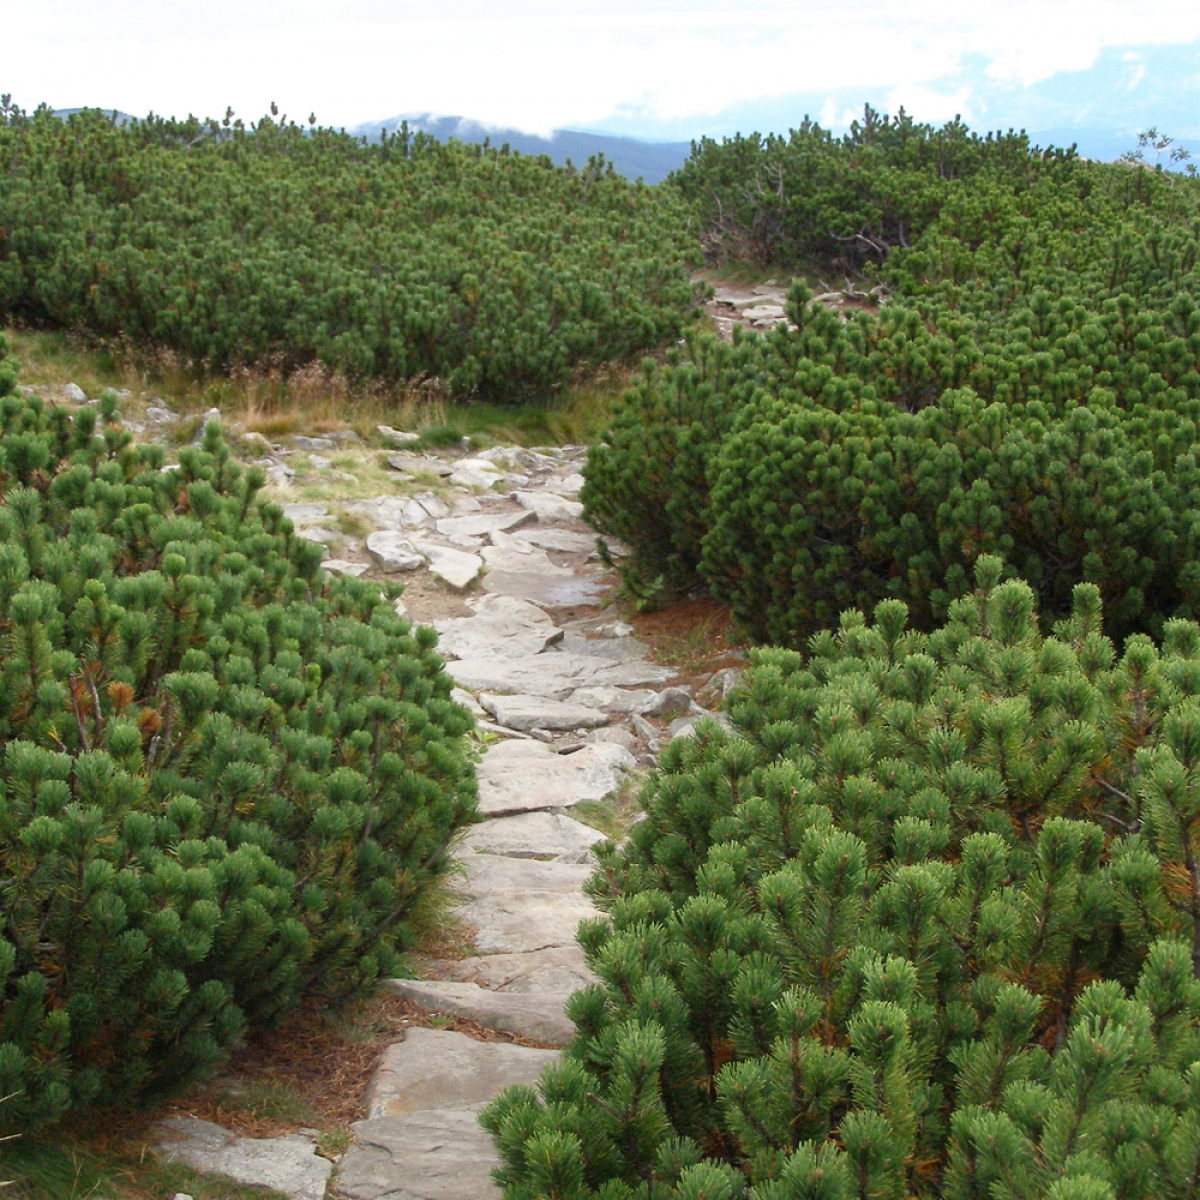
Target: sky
656, 69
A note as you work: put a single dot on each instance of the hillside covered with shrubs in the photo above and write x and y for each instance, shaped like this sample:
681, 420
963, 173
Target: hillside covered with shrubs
226, 779
925, 923
498, 274
1029, 388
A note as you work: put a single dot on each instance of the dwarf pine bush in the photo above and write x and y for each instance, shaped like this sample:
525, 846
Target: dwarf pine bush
225, 778
926, 924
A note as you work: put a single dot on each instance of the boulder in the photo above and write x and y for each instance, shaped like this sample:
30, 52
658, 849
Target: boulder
393, 552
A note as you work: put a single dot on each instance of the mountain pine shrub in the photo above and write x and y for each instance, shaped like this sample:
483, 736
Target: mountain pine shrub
926, 924
1031, 389
225, 778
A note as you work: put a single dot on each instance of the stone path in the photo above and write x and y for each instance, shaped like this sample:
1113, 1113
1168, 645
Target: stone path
761, 306
562, 694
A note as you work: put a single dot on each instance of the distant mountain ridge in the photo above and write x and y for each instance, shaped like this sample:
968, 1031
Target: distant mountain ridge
652, 161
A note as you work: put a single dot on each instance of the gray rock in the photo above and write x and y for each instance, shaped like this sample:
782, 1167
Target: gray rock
438, 1154
318, 533
719, 685
320, 461
615, 699
305, 514
618, 735
437, 1069
465, 699
397, 437
501, 627
435, 506
73, 392
570, 485
418, 465
455, 567
393, 553
520, 776
314, 443
672, 699
289, 1164
633, 673
537, 712
552, 969
387, 512
213, 414
343, 566
484, 524
615, 629
537, 1017
568, 541
686, 726
532, 835
157, 413
525, 919
550, 507
551, 674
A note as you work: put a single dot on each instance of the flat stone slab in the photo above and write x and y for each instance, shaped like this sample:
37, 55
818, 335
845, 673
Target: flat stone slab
521, 776
614, 699
393, 552
552, 969
569, 485
343, 566
550, 507
535, 712
434, 1068
435, 1154
554, 537
289, 1164
512, 922
305, 514
537, 1017
389, 512
555, 674
415, 463
533, 835
484, 524
455, 567
501, 627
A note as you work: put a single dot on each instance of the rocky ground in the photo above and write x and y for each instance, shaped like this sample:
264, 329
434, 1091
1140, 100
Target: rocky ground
570, 706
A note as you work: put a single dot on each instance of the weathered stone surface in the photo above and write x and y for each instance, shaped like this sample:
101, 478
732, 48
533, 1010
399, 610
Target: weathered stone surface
672, 699
614, 699
515, 919
436, 1154
618, 735
633, 673
289, 1163
532, 835
397, 437
554, 537
72, 391
305, 514
456, 567
570, 485
319, 533
484, 524
416, 464
435, 506
343, 566
501, 627
551, 969
526, 776
549, 507
550, 674
393, 552
434, 1068
537, 1017
388, 512
314, 443
536, 712
475, 472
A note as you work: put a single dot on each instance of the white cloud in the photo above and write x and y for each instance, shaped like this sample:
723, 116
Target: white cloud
538, 64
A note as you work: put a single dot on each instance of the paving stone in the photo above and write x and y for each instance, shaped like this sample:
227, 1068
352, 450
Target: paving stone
455, 567
343, 566
554, 537
570, 485
389, 512
485, 874
436, 1154
538, 1017
537, 712
435, 506
419, 465
551, 674
289, 1163
615, 699
549, 507
435, 1069
394, 552
526, 776
484, 524
501, 627
532, 835
305, 514
551, 969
